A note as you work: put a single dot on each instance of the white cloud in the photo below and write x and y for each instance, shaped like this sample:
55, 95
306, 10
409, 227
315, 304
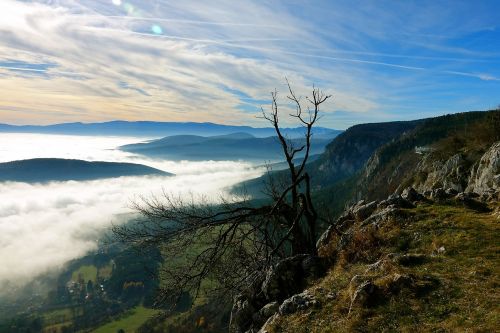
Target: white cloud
42, 226
182, 75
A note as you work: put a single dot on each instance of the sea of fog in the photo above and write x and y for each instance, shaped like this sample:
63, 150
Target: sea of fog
42, 226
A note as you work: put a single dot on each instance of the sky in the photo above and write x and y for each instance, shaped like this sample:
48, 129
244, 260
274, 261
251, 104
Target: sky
218, 60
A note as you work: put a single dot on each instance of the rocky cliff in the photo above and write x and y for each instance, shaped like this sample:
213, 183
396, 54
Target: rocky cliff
418, 253
412, 262
485, 174
456, 152
349, 152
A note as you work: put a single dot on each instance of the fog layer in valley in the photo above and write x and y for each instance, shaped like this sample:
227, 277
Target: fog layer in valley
42, 226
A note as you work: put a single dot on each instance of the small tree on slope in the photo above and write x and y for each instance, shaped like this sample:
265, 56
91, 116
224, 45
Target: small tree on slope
225, 243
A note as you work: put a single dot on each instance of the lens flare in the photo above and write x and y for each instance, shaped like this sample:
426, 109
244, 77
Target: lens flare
156, 29
129, 8
117, 2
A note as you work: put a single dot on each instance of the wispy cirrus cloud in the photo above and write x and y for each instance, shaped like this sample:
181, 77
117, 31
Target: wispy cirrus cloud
166, 60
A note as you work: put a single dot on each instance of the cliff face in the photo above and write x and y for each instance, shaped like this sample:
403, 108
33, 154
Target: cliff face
452, 152
485, 175
451, 173
349, 152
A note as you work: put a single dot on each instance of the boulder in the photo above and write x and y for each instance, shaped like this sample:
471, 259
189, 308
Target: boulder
298, 302
439, 194
385, 215
469, 201
241, 315
268, 310
451, 192
410, 259
412, 195
397, 201
290, 276
363, 291
363, 211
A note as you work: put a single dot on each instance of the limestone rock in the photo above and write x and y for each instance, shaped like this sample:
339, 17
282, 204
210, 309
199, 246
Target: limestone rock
325, 238
485, 175
469, 200
385, 215
297, 303
452, 173
397, 201
411, 195
290, 276
241, 315
363, 211
268, 310
439, 194
362, 290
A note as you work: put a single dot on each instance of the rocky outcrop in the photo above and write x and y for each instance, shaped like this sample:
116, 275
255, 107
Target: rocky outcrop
485, 174
411, 195
280, 288
361, 210
298, 302
456, 174
451, 173
363, 291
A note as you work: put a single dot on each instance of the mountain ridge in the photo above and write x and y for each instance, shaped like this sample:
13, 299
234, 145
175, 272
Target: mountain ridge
241, 146
155, 129
40, 170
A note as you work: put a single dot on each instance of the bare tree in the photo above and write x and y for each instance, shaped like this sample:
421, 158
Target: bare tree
229, 241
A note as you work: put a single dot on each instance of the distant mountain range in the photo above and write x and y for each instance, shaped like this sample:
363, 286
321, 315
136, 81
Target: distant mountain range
41, 170
233, 146
159, 129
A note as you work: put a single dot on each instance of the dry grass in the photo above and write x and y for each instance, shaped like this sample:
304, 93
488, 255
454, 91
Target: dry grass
454, 291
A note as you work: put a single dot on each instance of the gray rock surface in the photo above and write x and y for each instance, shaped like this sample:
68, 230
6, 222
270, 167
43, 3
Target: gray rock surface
396, 201
298, 302
362, 290
485, 174
363, 211
411, 195
452, 173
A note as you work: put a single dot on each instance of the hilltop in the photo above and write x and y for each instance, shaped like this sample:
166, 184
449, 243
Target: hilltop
56, 169
232, 146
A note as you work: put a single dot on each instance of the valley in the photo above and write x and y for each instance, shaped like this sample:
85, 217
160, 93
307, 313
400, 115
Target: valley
116, 280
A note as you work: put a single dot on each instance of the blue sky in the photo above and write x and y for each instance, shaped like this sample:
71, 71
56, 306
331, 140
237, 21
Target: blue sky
100, 60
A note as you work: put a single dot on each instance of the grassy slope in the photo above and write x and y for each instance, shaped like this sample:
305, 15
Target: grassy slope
130, 321
86, 272
458, 290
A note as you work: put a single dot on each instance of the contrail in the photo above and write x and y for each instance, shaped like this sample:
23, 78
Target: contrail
228, 43
195, 22
483, 77
198, 22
